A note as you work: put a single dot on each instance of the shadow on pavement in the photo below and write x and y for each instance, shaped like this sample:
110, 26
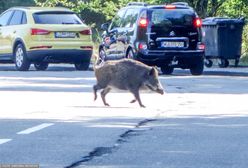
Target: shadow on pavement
229, 81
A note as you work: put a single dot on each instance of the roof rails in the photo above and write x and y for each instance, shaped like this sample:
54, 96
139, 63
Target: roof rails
180, 3
20, 7
137, 4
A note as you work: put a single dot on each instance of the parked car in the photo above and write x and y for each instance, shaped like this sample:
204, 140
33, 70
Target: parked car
42, 36
168, 36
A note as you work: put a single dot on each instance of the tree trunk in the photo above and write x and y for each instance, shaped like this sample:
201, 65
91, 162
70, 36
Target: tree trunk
201, 8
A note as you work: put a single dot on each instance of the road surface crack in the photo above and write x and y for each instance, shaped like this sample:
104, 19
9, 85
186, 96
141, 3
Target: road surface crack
100, 151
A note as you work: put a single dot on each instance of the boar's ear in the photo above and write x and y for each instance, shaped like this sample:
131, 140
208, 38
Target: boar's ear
152, 71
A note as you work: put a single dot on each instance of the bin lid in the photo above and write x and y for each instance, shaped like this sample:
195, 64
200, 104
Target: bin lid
222, 21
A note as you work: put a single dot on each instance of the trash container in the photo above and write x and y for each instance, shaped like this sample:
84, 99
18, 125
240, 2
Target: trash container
223, 39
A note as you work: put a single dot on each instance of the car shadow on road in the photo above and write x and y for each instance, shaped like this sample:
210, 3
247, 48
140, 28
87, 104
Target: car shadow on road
241, 72
226, 73
212, 81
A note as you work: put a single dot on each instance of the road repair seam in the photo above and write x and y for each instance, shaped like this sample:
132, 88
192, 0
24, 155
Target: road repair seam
36, 128
100, 151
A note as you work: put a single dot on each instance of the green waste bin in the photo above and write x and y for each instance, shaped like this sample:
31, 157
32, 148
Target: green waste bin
223, 39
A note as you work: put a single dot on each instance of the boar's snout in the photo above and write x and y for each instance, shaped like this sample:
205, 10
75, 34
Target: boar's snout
160, 90
153, 83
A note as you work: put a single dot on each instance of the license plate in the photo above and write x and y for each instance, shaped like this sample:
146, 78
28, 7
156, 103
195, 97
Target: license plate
65, 35
172, 44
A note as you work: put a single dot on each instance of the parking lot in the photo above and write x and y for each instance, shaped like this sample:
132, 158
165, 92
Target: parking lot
49, 118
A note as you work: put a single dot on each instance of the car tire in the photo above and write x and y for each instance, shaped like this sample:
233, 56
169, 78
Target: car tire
20, 58
82, 66
223, 63
197, 68
167, 70
41, 66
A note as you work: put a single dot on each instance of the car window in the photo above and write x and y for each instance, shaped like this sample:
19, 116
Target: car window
4, 18
116, 22
179, 17
56, 18
16, 18
130, 18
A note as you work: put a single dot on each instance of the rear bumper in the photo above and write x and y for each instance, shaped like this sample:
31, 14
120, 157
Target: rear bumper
161, 57
60, 56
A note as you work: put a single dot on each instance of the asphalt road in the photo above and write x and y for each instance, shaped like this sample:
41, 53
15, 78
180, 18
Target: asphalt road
49, 118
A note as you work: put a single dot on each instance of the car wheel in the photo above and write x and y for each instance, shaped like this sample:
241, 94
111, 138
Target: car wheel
197, 68
20, 57
167, 70
236, 64
223, 63
41, 66
130, 54
83, 66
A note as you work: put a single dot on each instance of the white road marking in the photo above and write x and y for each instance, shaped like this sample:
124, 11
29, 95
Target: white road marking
2, 141
36, 128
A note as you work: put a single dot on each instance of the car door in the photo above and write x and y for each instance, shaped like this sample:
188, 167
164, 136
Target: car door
126, 31
111, 37
5, 44
14, 29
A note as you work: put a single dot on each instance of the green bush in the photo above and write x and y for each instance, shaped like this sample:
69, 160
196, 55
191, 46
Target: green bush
244, 56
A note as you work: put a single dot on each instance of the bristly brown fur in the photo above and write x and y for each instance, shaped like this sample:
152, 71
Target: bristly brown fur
125, 74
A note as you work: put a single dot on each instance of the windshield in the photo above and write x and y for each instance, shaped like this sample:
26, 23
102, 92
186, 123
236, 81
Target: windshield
171, 17
56, 18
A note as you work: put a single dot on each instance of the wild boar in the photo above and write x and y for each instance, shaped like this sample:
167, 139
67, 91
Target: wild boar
126, 74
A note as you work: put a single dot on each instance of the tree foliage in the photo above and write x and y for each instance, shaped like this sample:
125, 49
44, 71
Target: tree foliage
96, 12
5, 4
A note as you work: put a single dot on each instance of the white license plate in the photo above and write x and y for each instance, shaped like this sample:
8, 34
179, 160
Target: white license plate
173, 44
65, 35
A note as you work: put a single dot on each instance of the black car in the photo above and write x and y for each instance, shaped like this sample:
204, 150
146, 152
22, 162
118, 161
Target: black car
167, 36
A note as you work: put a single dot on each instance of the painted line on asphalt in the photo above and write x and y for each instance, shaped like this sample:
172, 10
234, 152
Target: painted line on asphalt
2, 141
36, 128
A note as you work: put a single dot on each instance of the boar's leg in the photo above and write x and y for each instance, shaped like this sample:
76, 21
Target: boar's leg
103, 94
95, 88
137, 96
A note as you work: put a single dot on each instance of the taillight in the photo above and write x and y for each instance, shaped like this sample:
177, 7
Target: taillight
143, 22
200, 46
86, 32
197, 22
39, 32
170, 7
143, 46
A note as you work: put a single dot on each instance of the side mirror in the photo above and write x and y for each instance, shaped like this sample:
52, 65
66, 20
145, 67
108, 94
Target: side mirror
105, 26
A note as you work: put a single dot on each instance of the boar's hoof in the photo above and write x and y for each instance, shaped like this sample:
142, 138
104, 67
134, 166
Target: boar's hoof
106, 104
142, 106
133, 101
95, 97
